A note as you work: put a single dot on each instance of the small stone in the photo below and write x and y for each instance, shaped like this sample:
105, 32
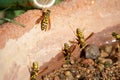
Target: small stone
78, 76
65, 65
100, 67
87, 71
113, 78
108, 62
56, 78
92, 51
45, 78
73, 70
101, 60
104, 54
72, 62
68, 73
62, 76
69, 78
118, 56
88, 61
108, 48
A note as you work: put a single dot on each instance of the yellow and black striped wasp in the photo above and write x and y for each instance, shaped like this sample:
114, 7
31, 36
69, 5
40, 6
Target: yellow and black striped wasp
45, 23
81, 40
45, 20
66, 52
34, 71
116, 36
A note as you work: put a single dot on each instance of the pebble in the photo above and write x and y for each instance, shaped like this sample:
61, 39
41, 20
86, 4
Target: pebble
100, 67
92, 51
108, 48
69, 78
78, 76
61, 76
88, 61
72, 62
45, 78
118, 56
73, 70
104, 54
108, 62
68, 73
101, 60
56, 78
87, 71
65, 65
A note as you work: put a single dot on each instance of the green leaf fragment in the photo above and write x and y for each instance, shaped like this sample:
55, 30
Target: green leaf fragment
107, 64
13, 21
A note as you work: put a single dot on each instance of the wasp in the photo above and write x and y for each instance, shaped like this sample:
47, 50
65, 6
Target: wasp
34, 71
45, 20
81, 40
66, 52
116, 36
45, 23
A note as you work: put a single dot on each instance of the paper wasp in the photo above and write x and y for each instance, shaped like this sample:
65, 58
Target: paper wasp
67, 53
34, 71
45, 20
116, 36
80, 38
45, 23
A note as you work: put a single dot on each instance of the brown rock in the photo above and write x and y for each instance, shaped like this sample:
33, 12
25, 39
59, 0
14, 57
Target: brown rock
92, 51
108, 48
88, 61
104, 54
56, 78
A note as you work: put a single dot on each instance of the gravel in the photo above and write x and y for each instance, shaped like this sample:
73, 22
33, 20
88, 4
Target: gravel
96, 65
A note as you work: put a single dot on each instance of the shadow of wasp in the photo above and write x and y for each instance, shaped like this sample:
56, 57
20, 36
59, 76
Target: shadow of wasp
45, 20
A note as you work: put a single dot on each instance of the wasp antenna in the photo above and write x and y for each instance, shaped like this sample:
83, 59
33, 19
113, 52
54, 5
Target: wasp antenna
29, 64
41, 71
72, 29
29, 59
83, 30
89, 36
61, 46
